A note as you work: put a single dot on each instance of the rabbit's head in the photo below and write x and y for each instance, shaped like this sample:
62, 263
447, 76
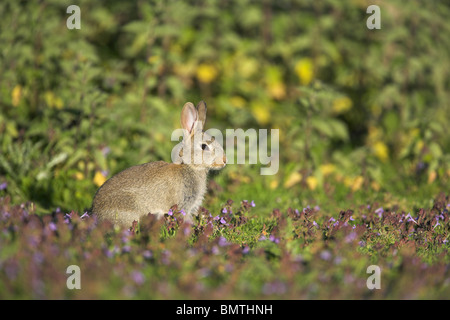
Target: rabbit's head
198, 149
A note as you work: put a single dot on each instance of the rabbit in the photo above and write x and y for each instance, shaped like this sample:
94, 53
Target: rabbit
155, 187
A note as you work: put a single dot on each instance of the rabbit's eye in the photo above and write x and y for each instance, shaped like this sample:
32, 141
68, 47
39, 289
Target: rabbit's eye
205, 146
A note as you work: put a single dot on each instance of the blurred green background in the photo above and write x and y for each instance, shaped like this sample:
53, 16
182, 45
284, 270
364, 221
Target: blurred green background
363, 114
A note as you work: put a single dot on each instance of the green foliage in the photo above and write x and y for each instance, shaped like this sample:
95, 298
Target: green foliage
79, 105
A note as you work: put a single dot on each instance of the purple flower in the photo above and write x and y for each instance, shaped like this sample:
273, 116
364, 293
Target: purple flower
325, 255
379, 211
3, 186
170, 213
316, 208
437, 224
273, 239
315, 224
222, 241
111, 253
351, 218
85, 215
224, 210
182, 212
332, 219
246, 250
410, 218
222, 221
52, 226
67, 217
252, 203
215, 250
147, 254
350, 237
138, 277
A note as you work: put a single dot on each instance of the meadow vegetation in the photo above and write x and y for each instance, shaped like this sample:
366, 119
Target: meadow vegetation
364, 149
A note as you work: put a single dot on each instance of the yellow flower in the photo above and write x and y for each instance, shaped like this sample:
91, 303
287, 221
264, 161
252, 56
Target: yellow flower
79, 175
312, 182
206, 73
99, 179
246, 67
273, 184
274, 82
261, 113
16, 95
153, 59
304, 70
381, 150
239, 177
375, 185
53, 101
341, 105
357, 183
237, 101
294, 178
432, 176
277, 90
327, 169
374, 134
348, 181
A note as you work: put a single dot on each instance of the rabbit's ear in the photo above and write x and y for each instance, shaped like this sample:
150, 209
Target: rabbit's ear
189, 116
201, 108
